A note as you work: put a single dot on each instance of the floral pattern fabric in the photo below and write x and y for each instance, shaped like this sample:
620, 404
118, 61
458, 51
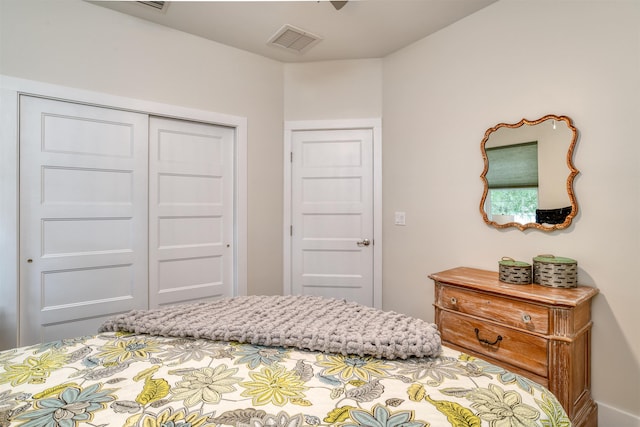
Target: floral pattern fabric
129, 380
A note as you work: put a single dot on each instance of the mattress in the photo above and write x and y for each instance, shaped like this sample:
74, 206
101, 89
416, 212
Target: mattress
125, 378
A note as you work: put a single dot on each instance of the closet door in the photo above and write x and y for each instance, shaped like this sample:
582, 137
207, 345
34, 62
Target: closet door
190, 211
83, 217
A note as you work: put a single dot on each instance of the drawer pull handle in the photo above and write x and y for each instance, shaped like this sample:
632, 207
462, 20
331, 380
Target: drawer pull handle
454, 300
526, 318
485, 341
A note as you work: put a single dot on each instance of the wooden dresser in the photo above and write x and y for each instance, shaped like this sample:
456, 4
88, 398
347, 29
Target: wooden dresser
539, 332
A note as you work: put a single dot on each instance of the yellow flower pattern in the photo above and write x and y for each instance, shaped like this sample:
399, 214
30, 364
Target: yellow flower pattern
275, 386
33, 369
353, 367
129, 348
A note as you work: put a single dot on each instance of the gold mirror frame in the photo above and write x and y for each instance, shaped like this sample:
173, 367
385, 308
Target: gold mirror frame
573, 172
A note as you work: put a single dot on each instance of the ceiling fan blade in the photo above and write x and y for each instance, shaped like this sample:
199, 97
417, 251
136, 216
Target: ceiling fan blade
338, 4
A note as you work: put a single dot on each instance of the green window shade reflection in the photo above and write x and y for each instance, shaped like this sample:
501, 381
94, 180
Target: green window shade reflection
513, 166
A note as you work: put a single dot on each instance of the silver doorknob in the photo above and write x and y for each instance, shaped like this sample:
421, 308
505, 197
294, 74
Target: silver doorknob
364, 242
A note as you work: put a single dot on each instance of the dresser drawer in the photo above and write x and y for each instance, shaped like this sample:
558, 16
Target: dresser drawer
517, 348
519, 314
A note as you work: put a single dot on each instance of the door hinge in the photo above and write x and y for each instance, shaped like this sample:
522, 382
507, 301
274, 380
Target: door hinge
291, 157
291, 230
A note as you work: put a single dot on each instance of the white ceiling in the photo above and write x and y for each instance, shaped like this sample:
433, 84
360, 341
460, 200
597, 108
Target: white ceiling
361, 29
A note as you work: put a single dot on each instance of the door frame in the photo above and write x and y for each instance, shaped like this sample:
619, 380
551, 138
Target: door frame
11, 88
375, 125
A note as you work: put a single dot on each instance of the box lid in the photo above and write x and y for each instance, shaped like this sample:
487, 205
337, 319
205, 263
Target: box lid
554, 259
510, 262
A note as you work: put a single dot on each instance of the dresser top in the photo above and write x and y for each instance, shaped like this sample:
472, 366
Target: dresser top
487, 281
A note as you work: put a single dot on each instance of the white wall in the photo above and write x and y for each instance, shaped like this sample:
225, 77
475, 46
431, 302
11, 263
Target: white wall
331, 90
514, 60
77, 44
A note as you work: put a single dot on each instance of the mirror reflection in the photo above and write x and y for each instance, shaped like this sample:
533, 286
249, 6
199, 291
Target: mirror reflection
528, 174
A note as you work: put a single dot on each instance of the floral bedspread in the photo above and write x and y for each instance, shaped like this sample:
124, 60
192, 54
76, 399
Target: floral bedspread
132, 380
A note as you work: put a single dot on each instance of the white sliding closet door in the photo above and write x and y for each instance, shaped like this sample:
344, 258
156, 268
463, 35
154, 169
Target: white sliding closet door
190, 211
83, 217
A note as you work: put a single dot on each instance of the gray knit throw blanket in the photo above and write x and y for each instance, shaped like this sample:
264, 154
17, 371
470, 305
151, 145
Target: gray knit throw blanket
303, 322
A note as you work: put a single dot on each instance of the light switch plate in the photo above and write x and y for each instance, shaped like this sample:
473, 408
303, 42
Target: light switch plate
400, 218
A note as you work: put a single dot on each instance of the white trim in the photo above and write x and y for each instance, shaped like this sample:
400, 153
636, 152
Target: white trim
9, 219
610, 416
10, 89
376, 126
241, 194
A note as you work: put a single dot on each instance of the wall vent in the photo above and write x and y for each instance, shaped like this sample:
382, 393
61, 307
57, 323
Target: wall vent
294, 39
158, 5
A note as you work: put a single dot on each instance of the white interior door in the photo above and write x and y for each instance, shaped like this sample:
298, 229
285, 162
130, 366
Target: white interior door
190, 211
332, 214
83, 217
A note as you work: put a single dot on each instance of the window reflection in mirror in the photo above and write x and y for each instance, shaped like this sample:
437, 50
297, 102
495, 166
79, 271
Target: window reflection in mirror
529, 174
513, 182
512, 204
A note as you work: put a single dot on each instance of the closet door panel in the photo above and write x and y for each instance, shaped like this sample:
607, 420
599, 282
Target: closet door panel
83, 216
190, 211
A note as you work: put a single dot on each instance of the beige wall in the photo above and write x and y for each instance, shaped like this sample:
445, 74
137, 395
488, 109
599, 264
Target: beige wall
333, 90
77, 44
511, 60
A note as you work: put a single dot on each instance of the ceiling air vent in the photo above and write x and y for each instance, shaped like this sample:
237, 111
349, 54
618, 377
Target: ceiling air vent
158, 5
294, 39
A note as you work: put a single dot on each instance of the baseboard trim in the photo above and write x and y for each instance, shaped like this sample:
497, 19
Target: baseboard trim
610, 416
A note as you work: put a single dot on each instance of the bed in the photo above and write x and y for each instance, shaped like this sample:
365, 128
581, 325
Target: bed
264, 361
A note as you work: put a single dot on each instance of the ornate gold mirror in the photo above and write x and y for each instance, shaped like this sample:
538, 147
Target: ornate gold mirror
528, 174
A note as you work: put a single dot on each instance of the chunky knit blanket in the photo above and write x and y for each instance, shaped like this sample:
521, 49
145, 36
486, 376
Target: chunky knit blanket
304, 322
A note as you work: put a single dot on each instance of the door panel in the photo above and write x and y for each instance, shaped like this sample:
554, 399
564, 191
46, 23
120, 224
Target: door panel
332, 210
191, 211
83, 217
